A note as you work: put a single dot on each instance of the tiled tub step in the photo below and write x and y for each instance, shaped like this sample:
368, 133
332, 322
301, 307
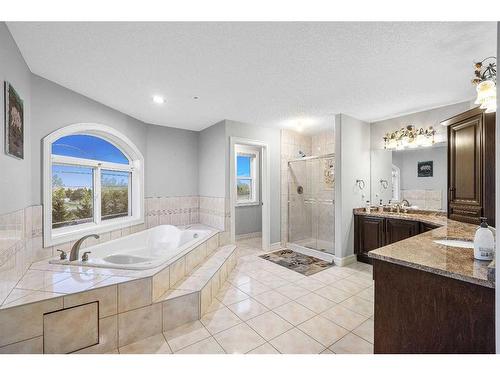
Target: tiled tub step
191, 297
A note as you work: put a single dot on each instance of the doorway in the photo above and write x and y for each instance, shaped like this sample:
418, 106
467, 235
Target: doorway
249, 191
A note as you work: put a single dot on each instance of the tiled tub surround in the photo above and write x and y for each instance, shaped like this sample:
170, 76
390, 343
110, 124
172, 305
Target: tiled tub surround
132, 305
214, 212
21, 244
21, 241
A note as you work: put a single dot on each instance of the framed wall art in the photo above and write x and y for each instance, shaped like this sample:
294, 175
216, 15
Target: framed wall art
14, 122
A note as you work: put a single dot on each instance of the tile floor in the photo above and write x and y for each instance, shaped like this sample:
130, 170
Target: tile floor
267, 309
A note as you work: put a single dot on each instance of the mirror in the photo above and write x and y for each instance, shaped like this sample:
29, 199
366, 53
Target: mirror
417, 175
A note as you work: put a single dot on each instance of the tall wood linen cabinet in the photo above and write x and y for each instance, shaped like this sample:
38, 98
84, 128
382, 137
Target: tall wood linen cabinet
471, 166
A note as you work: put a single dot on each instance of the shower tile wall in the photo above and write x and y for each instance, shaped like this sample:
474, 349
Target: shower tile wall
291, 143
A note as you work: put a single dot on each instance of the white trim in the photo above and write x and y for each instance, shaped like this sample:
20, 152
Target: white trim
341, 262
345, 260
265, 186
248, 235
137, 184
276, 246
311, 252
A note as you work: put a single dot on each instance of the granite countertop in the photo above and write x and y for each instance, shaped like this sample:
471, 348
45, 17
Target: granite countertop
421, 252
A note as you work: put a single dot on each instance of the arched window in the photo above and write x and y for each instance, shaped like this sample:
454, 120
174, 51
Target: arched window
93, 182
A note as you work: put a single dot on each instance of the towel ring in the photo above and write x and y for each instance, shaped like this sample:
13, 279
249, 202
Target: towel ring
360, 184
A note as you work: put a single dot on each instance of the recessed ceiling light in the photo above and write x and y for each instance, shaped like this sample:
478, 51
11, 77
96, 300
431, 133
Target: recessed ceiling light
158, 99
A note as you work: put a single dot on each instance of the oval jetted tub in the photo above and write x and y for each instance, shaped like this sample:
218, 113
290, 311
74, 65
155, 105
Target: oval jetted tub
143, 250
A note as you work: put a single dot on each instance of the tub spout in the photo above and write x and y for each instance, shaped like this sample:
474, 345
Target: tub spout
73, 255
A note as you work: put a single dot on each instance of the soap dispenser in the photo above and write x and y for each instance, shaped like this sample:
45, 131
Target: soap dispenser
484, 242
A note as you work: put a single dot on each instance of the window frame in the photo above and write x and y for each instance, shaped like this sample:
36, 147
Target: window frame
136, 183
254, 175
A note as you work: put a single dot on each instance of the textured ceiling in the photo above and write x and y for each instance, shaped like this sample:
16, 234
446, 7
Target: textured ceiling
269, 74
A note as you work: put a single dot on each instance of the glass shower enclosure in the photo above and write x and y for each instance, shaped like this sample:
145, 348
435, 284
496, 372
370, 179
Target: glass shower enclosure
311, 202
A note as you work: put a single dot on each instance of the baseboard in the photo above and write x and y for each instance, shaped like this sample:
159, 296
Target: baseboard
248, 235
275, 246
311, 252
345, 260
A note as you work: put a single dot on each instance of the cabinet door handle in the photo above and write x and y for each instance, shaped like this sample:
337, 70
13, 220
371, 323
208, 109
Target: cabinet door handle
451, 194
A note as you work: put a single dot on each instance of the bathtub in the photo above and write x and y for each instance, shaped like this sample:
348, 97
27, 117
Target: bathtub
143, 250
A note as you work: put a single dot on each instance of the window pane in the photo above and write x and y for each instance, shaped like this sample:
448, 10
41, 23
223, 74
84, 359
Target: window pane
244, 189
114, 194
88, 147
72, 195
243, 166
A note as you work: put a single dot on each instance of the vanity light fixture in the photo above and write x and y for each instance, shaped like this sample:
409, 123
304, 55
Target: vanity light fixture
409, 137
485, 80
158, 99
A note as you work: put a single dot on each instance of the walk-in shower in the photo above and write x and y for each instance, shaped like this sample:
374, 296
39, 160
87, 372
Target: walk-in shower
311, 202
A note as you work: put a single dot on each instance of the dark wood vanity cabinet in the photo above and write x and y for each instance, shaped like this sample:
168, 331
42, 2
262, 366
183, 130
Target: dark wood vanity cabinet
397, 230
471, 166
372, 232
424, 227
369, 234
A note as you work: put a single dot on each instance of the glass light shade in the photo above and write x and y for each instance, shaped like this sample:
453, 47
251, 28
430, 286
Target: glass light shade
487, 96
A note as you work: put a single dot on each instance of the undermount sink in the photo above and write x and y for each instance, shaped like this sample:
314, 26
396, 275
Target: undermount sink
456, 243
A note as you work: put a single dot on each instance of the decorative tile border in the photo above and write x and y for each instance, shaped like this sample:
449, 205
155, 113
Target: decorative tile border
172, 211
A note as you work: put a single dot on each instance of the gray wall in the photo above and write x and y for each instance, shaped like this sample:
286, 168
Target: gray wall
352, 145
273, 138
170, 154
211, 158
172, 162
248, 219
15, 176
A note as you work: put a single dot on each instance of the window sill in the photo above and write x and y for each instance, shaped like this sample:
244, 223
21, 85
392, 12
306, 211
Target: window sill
247, 204
57, 236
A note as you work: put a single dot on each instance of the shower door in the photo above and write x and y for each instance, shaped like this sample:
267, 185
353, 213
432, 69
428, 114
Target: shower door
311, 203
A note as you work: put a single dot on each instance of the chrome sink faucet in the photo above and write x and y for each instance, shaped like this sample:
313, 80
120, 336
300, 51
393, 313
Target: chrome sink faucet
405, 205
73, 255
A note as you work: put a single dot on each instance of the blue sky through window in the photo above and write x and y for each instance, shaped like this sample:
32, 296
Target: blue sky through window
72, 177
88, 147
243, 166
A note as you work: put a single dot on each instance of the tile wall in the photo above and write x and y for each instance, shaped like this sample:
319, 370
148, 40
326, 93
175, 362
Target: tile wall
172, 210
21, 243
424, 199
